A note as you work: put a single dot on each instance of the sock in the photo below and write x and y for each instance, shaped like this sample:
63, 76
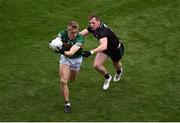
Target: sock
67, 103
118, 72
107, 76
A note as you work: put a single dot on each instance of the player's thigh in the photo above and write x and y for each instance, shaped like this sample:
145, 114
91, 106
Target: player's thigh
100, 58
73, 75
116, 55
64, 72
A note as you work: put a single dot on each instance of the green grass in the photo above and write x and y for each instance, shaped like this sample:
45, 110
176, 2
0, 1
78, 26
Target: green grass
29, 83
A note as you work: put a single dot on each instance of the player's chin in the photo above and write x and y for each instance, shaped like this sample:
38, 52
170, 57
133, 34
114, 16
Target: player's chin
72, 37
93, 28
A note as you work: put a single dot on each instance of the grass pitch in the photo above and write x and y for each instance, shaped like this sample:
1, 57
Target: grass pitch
29, 83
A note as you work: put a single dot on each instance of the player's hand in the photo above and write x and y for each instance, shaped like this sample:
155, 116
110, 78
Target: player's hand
86, 53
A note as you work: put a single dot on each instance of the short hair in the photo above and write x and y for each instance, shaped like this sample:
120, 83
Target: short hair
94, 15
73, 25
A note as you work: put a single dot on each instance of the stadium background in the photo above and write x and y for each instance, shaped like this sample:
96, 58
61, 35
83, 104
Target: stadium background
29, 83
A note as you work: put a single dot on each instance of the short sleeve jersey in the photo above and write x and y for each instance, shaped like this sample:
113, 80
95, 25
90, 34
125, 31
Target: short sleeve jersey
67, 43
104, 31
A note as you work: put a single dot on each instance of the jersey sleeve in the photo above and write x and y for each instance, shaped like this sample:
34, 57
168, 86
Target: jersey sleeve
102, 34
80, 41
63, 35
60, 34
89, 29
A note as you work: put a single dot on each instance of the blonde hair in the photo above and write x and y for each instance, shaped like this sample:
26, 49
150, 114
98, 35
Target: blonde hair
73, 25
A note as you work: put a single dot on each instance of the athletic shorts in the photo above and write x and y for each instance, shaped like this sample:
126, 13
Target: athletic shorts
73, 63
115, 54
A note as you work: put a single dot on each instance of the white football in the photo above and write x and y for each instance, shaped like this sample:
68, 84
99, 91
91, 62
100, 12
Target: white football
56, 44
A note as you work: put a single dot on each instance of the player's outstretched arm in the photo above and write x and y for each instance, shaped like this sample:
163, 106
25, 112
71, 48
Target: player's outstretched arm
84, 32
72, 51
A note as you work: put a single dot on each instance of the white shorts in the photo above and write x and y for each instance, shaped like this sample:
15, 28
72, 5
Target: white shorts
73, 63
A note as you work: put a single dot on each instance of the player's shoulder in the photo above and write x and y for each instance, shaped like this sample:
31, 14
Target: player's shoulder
80, 38
63, 33
104, 27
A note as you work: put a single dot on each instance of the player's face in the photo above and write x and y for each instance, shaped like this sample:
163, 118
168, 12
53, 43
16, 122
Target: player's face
72, 33
94, 24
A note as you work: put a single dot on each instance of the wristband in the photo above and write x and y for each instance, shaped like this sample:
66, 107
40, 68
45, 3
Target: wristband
91, 52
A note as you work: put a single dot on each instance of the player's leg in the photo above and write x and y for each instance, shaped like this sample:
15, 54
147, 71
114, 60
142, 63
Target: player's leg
68, 70
64, 72
99, 66
73, 75
118, 74
117, 65
116, 57
75, 67
99, 63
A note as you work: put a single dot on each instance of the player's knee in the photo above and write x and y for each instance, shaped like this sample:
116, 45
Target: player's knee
96, 66
117, 64
63, 82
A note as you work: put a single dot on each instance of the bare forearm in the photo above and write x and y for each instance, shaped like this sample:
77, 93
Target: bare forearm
72, 51
84, 32
69, 53
100, 48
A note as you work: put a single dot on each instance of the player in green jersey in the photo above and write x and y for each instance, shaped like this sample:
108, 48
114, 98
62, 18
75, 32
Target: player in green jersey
70, 60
